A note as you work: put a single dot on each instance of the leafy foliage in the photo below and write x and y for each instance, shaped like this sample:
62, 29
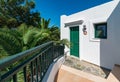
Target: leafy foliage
44, 23
32, 36
9, 40
55, 33
17, 40
22, 29
15, 12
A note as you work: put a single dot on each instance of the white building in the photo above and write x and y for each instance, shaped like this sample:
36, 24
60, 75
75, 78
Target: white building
94, 34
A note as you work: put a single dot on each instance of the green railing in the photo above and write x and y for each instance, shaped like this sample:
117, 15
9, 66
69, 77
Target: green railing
30, 65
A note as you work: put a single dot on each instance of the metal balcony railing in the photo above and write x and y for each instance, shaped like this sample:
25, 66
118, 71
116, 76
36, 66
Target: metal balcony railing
30, 65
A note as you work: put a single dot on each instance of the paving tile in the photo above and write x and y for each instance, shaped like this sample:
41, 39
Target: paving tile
86, 67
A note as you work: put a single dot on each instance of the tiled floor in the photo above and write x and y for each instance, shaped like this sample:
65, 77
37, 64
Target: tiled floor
68, 74
86, 67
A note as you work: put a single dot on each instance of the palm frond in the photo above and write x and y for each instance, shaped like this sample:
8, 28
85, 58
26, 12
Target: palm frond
9, 42
22, 28
3, 53
44, 33
63, 42
28, 36
45, 23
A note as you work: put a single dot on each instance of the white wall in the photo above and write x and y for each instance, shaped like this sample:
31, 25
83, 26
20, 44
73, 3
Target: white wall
64, 31
110, 49
91, 48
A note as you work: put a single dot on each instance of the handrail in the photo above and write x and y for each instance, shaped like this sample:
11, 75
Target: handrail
34, 64
17, 57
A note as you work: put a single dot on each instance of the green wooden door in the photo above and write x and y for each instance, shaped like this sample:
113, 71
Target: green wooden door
74, 39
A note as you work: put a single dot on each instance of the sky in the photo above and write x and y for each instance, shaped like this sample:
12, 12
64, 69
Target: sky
53, 9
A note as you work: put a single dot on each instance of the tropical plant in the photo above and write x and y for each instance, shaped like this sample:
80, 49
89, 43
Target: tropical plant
10, 41
32, 36
22, 38
44, 24
55, 33
3, 53
26, 29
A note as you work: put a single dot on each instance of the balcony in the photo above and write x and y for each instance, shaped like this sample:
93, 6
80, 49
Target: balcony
30, 65
44, 63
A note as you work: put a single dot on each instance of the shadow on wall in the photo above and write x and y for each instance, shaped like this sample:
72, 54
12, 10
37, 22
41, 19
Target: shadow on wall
110, 47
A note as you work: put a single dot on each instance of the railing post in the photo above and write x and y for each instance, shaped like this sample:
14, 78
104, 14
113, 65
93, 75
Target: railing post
0, 74
53, 52
63, 47
25, 74
15, 78
36, 69
31, 68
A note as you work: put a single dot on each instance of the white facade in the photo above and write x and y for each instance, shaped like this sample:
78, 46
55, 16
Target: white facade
102, 52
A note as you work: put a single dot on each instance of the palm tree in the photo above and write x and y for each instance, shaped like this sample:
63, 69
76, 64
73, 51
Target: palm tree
24, 37
13, 41
10, 41
54, 33
32, 36
44, 23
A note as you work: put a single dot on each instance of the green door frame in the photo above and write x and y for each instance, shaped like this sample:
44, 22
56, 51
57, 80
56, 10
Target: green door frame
74, 39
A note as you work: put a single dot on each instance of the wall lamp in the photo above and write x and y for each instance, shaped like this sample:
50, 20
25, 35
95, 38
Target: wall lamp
84, 30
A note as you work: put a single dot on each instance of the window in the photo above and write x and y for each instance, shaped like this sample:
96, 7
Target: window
101, 30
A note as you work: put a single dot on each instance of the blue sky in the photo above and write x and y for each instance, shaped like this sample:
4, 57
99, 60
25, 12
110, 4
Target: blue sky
53, 9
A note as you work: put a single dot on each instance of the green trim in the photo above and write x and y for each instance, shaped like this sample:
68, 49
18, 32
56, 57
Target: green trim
100, 30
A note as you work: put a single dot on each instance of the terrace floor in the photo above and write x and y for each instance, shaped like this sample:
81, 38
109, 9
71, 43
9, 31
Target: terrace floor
86, 67
75, 70
68, 74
